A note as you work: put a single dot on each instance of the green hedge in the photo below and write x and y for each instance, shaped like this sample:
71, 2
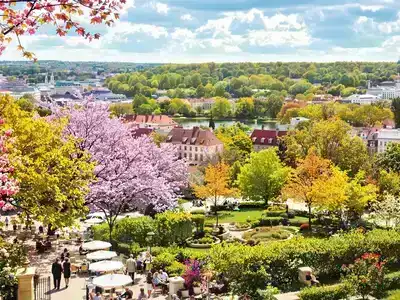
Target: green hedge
276, 213
169, 228
282, 259
270, 221
252, 204
330, 292
392, 281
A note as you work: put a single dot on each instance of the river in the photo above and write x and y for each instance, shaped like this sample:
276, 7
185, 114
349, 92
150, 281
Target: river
254, 124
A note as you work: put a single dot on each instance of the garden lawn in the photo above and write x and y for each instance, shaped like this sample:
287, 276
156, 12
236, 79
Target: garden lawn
236, 216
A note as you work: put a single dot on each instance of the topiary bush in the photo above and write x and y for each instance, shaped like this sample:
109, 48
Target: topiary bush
270, 221
134, 230
173, 227
330, 292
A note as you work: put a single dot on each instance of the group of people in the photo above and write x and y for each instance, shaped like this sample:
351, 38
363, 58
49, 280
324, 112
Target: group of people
42, 246
157, 279
61, 267
127, 295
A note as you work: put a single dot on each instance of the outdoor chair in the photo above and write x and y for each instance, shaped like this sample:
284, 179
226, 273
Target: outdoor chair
84, 269
74, 270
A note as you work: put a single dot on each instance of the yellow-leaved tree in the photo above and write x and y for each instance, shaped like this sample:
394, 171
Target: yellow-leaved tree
53, 173
216, 185
304, 179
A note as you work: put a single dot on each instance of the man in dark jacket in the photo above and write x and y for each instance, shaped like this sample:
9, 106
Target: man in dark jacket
56, 270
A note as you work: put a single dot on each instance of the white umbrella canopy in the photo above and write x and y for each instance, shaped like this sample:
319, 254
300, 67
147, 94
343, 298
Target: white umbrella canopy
106, 266
101, 255
96, 245
112, 280
93, 221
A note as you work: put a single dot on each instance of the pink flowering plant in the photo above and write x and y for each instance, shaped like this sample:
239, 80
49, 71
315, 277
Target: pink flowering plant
192, 273
366, 275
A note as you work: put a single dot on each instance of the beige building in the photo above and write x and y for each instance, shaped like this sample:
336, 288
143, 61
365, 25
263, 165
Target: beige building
195, 145
160, 122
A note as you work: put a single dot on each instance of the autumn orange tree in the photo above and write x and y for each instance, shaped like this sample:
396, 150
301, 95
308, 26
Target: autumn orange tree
303, 181
216, 185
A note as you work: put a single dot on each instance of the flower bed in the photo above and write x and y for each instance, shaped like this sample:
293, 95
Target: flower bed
239, 226
205, 242
267, 234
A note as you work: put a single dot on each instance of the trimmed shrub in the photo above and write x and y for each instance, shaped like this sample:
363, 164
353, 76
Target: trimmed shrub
291, 214
275, 213
282, 259
197, 212
198, 221
123, 248
329, 292
304, 227
252, 204
175, 269
101, 232
173, 227
392, 281
270, 221
134, 230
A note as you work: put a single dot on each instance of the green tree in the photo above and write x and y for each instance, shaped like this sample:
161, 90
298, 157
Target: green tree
263, 176
332, 140
237, 143
396, 111
300, 87
390, 159
221, 108
245, 108
54, 174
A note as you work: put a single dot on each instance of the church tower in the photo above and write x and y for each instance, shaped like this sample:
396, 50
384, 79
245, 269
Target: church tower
52, 82
46, 79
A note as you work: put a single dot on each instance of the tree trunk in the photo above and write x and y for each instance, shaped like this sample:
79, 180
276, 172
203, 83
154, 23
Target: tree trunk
216, 210
110, 227
309, 216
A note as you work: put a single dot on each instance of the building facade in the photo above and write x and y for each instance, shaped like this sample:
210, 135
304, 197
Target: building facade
383, 137
263, 139
195, 145
385, 91
157, 122
362, 99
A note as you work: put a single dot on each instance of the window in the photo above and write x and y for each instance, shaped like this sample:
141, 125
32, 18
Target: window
269, 141
195, 149
195, 157
185, 147
190, 155
185, 155
262, 140
201, 157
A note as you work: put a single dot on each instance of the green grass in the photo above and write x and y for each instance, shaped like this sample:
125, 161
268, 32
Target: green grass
266, 234
236, 216
394, 295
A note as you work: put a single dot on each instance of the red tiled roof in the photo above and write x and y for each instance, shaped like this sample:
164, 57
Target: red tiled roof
154, 119
194, 136
138, 132
266, 137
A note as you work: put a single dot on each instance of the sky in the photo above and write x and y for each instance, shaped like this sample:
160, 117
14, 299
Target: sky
188, 31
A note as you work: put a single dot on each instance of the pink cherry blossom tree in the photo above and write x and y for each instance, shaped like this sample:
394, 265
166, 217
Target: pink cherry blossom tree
131, 173
25, 17
8, 184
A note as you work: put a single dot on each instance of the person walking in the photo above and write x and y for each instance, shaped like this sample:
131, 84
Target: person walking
67, 271
6, 221
56, 270
131, 267
149, 284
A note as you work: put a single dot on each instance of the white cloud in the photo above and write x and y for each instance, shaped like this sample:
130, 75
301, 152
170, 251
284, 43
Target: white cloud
160, 8
120, 30
186, 17
217, 26
182, 34
279, 38
373, 8
369, 25
284, 22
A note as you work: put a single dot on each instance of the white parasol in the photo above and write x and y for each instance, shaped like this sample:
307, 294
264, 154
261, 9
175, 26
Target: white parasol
93, 221
106, 266
112, 281
101, 255
96, 245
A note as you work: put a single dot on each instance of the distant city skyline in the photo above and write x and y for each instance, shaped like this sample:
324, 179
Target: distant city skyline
190, 31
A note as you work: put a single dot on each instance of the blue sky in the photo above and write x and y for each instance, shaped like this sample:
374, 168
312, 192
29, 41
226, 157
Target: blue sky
184, 31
